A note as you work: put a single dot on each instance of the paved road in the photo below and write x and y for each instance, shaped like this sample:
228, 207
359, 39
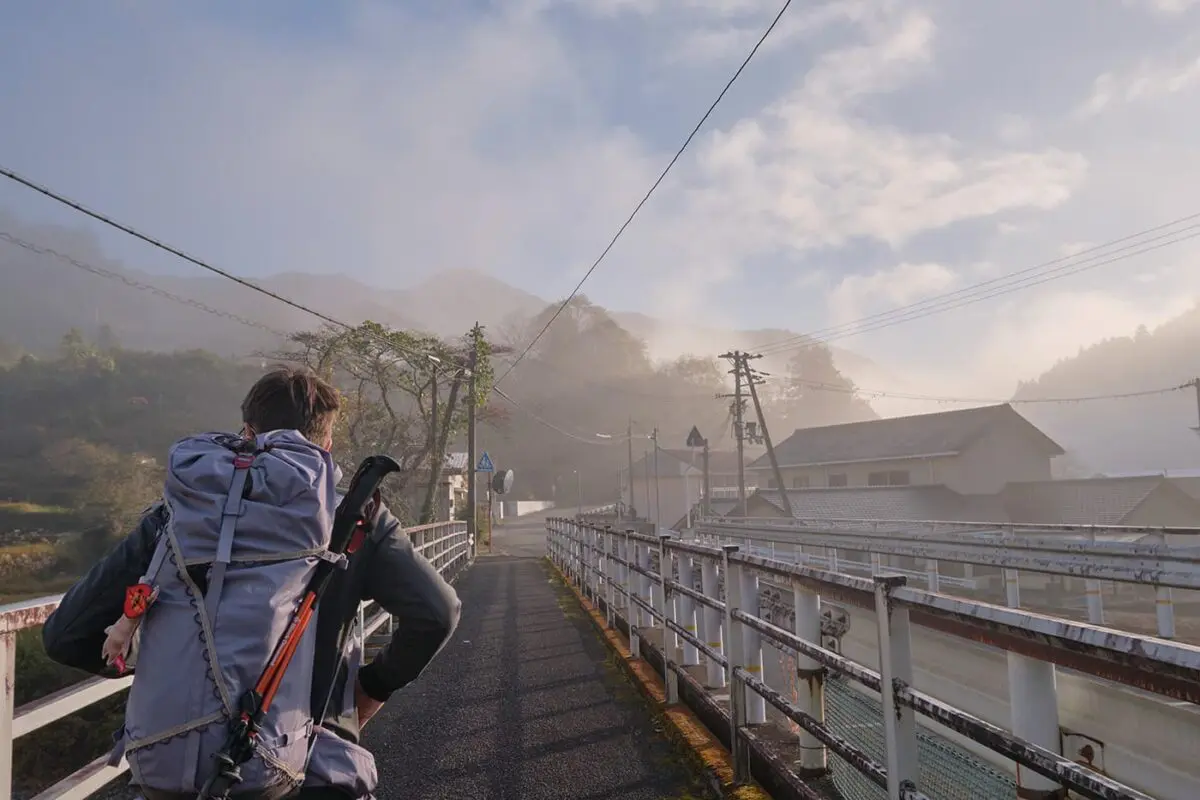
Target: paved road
523, 703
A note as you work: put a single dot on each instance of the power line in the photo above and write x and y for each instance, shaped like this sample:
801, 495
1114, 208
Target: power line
600, 439
1055, 269
178, 253
831, 387
146, 287
653, 187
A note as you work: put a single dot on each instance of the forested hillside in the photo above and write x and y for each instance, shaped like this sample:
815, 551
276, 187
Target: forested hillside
1145, 433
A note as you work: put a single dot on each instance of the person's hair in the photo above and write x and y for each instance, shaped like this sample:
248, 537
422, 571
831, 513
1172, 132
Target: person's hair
291, 398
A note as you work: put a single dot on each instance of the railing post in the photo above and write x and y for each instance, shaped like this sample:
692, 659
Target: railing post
644, 584
1164, 607
811, 675
756, 706
610, 575
685, 609
1033, 700
738, 693
1095, 602
895, 662
670, 640
715, 677
8, 678
932, 578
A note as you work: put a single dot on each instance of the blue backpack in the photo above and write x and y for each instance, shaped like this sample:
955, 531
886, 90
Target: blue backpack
248, 523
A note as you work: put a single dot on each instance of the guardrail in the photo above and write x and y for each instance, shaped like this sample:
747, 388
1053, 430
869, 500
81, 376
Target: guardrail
724, 631
447, 545
1122, 554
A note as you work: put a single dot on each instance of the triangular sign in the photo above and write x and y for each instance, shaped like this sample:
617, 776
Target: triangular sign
694, 438
485, 464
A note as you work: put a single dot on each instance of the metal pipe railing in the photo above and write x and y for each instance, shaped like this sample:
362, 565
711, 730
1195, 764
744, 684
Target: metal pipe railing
1143, 662
445, 544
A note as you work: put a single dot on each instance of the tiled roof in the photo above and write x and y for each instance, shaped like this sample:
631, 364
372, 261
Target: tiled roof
456, 462
898, 437
888, 502
1086, 501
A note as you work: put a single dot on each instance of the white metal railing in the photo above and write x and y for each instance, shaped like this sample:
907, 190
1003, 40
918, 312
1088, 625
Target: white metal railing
723, 630
447, 545
1118, 553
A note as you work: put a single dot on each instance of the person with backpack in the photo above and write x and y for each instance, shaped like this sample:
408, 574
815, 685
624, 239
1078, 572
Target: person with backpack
199, 597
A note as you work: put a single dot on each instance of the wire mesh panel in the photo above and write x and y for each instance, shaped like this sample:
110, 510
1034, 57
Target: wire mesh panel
948, 772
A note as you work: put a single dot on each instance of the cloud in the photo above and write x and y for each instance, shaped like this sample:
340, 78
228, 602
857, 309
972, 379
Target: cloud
856, 296
878, 150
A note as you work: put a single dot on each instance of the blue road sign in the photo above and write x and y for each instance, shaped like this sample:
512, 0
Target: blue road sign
485, 464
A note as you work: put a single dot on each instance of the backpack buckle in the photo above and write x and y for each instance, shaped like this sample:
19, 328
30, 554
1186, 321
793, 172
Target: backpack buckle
243, 460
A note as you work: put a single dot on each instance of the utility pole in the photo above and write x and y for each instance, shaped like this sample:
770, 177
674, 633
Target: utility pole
739, 405
629, 441
657, 498
1195, 384
753, 379
472, 499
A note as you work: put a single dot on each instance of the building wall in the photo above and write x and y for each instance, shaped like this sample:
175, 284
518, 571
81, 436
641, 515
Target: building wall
920, 471
1004, 455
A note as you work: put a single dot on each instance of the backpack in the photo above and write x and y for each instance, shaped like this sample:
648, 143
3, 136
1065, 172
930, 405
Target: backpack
247, 523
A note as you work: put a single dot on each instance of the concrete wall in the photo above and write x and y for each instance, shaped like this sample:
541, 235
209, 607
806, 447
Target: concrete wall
518, 508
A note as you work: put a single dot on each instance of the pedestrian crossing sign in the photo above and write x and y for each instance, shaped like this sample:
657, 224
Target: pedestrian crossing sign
485, 464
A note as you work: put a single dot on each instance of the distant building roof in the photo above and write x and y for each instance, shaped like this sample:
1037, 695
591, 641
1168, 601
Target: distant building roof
934, 502
719, 462
456, 462
1083, 501
945, 433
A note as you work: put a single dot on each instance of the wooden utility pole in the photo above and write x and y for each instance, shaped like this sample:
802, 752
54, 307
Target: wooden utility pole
753, 379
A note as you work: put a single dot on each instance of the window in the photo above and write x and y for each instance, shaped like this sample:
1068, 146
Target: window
800, 482
895, 477
838, 479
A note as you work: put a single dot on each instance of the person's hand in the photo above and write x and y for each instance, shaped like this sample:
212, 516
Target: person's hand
364, 704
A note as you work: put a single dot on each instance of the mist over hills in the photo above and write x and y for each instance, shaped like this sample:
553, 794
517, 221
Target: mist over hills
42, 297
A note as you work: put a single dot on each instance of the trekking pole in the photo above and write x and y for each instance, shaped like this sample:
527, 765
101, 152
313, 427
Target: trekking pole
357, 508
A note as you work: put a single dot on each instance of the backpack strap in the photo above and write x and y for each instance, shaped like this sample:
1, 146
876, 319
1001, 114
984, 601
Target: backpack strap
233, 510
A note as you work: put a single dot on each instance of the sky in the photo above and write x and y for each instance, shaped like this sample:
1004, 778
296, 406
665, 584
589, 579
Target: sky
874, 154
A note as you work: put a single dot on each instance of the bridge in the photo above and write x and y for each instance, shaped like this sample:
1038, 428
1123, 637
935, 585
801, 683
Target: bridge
757, 658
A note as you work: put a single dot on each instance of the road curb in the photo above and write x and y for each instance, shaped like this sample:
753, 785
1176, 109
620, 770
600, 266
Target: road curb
679, 722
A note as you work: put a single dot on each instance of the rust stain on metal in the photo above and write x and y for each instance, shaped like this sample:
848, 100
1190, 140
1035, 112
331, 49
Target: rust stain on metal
28, 614
1151, 675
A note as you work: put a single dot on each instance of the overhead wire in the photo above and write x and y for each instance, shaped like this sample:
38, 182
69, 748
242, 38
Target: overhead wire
1098, 256
678, 154
135, 284
177, 298
178, 253
897, 395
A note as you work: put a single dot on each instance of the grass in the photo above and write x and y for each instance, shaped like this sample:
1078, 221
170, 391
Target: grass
12, 507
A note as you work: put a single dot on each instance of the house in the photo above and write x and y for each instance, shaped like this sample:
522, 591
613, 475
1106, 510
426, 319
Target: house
664, 494
451, 491
970, 451
927, 503
1141, 500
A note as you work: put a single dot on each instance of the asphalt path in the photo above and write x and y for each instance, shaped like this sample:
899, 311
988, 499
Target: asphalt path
524, 702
